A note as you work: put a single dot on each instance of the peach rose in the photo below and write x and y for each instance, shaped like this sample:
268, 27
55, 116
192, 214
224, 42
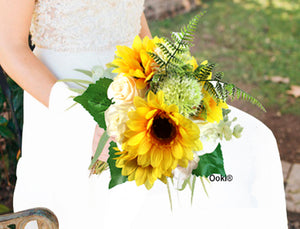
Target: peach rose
122, 89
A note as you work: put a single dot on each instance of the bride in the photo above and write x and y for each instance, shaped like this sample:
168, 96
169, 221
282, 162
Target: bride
57, 143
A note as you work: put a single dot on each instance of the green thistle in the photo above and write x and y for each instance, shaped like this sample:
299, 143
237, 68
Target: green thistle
184, 92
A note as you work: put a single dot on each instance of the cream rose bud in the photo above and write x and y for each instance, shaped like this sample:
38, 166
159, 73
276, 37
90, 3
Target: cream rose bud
122, 89
115, 118
186, 172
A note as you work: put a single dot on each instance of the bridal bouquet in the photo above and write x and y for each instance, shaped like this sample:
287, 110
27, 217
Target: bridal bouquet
159, 104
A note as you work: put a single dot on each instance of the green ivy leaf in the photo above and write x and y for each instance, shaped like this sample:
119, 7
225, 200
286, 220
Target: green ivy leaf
116, 173
95, 100
210, 163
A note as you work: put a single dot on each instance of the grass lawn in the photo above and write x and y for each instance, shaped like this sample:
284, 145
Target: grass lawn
251, 41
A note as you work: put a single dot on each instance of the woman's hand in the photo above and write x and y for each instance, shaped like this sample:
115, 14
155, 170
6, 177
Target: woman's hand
97, 135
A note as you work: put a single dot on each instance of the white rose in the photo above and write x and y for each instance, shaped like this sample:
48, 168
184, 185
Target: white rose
122, 89
115, 118
186, 172
181, 174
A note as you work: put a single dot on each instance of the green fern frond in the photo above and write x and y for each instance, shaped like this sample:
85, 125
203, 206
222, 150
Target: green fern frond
209, 87
165, 50
220, 91
218, 76
157, 59
238, 93
203, 71
184, 39
188, 31
170, 44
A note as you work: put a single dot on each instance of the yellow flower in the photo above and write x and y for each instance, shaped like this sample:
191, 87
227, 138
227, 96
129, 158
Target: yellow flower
193, 62
158, 139
135, 62
212, 111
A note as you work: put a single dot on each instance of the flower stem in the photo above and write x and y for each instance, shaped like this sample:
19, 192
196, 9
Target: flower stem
104, 138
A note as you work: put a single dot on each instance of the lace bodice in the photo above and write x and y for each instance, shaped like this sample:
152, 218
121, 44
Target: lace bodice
85, 25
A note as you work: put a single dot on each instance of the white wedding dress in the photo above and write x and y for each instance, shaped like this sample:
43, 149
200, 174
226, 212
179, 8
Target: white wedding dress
53, 171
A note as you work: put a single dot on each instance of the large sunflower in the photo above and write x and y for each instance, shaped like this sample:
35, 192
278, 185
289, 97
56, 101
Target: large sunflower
135, 62
158, 139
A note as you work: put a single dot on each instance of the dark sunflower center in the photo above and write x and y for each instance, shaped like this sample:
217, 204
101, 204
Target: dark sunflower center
163, 129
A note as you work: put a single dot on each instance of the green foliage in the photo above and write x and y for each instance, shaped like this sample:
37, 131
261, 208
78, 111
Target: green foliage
221, 90
203, 72
10, 144
103, 140
5, 131
116, 173
171, 59
210, 163
95, 100
4, 209
226, 89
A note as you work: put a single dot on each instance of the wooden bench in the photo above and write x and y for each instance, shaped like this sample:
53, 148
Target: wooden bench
44, 217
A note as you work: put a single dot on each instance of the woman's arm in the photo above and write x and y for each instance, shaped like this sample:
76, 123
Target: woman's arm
145, 31
16, 57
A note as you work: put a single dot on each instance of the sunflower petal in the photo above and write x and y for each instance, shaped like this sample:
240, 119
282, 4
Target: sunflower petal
144, 147
144, 160
156, 156
137, 44
129, 168
177, 151
140, 176
135, 140
141, 84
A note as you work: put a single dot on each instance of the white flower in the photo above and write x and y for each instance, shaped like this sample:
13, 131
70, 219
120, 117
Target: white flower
122, 89
97, 73
186, 172
181, 174
115, 118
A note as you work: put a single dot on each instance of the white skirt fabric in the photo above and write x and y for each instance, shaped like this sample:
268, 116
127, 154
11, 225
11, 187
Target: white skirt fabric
57, 148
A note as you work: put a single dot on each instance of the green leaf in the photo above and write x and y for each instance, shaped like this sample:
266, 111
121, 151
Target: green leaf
193, 188
104, 138
210, 163
95, 100
4, 209
115, 173
6, 132
76, 81
186, 181
88, 73
3, 121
